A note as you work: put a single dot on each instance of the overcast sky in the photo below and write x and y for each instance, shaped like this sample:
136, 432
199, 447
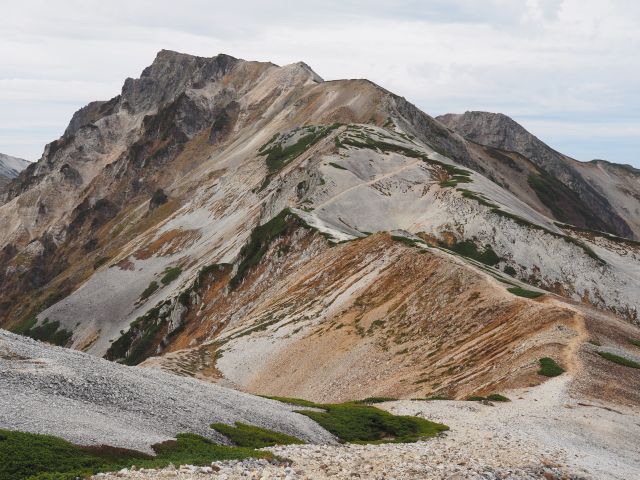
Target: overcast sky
568, 70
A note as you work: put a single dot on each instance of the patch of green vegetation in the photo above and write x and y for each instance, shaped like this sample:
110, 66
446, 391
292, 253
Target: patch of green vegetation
138, 343
448, 183
509, 270
549, 367
612, 357
339, 167
243, 435
170, 274
468, 249
357, 423
153, 286
634, 342
278, 157
43, 457
25, 325
595, 342
521, 292
48, 332
477, 197
410, 242
259, 241
369, 400
494, 397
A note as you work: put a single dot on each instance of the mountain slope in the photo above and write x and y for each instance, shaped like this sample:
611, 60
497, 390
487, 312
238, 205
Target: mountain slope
90, 401
610, 204
10, 167
237, 211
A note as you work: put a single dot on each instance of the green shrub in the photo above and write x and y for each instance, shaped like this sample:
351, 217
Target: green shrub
259, 241
521, 292
170, 274
44, 457
153, 286
339, 167
496, 397
549, 367
375, 400
509, 270
243, 435
358, 423
49, 332
634, 342
468, 249
619, 360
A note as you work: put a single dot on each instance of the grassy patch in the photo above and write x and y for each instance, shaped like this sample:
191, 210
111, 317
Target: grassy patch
358, 423
278, 156
634, 342
339, 167
549, 367
153, 286
612, 357
44, 457
259, 241
467, 248
509, 270
243, 435
370, 400
521, 292
138, 342
494, 397
477, 197
48, 332
170, 274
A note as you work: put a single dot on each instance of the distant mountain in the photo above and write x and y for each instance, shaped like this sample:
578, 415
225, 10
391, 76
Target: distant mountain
601, 196
246, 223
10, 167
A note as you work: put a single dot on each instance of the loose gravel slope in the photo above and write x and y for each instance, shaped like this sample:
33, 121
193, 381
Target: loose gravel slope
87, 400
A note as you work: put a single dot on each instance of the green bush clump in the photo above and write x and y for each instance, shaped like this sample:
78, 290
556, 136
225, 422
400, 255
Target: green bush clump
358, 423
153, 286
48, 332
634, 342
521, 292
259, 241
137, 343
467, 248
549, 367
278, 157
509, 270
243, 435
44, 457
170, 274
375, 400
339, 167
494, 397
619, 360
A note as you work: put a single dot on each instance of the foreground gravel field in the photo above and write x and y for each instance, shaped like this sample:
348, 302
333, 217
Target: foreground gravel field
542, 434
90, 401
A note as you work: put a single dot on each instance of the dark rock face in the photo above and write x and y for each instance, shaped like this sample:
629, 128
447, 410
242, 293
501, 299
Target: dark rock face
500, 131
170, 74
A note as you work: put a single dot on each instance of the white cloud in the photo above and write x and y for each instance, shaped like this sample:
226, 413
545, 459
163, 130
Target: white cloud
538, 59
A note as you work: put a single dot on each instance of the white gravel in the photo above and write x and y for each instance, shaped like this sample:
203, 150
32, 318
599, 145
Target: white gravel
89, 401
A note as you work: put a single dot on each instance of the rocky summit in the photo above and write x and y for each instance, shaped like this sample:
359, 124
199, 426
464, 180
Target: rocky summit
224, 229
